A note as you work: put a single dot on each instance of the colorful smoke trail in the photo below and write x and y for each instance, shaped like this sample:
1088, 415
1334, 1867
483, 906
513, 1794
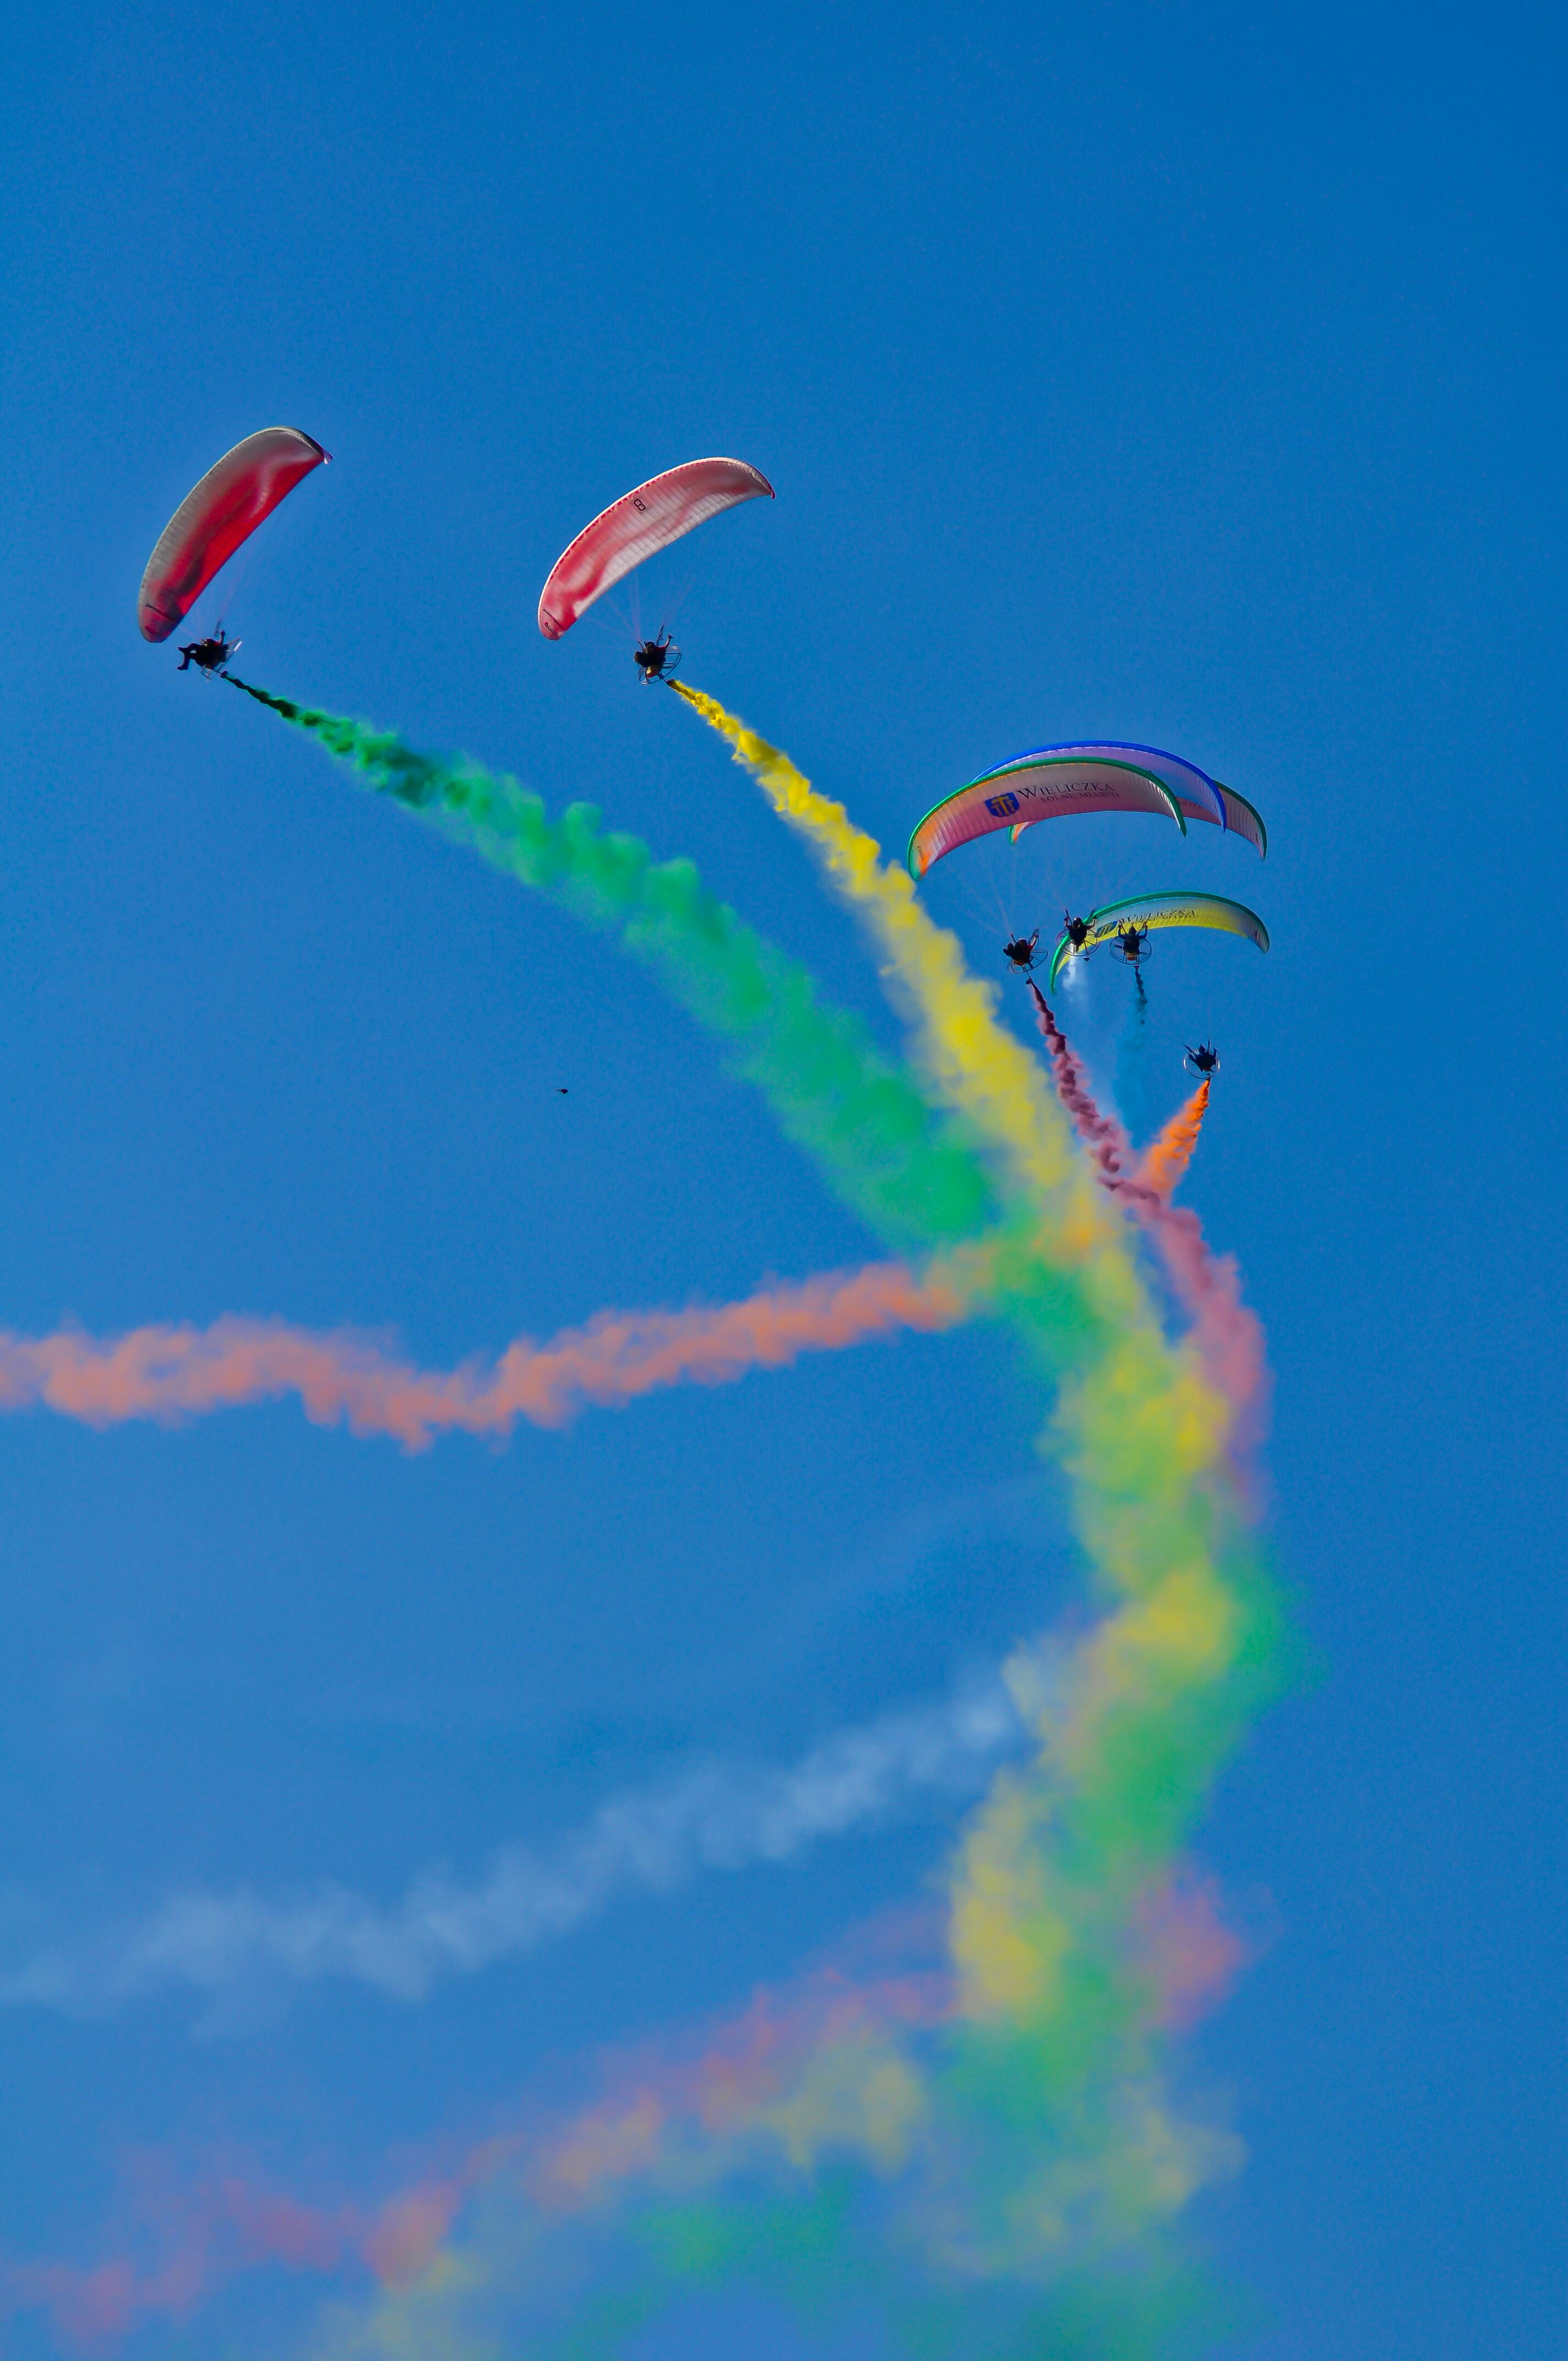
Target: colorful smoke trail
1168, 1156
970, 1061
1227, 1337
1102, 1135
172, 1373
856, 1113
992, 2153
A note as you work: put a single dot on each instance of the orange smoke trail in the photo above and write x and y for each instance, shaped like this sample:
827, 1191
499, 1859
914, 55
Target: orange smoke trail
1167, 1158
170, 1373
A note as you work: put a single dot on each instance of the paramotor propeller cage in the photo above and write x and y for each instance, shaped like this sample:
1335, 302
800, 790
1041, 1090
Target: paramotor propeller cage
656, 659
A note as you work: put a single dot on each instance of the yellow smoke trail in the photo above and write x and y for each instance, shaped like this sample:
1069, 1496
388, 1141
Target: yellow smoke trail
1141, 1433
981, 1069
1170, 1154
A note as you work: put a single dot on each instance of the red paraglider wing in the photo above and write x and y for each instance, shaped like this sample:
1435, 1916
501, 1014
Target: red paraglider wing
640, 522
208, 526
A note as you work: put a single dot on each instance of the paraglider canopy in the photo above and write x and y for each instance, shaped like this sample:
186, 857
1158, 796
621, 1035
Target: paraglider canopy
1229, 810
1054, 782
210, 524
1146, 911
641, 523
1242, 818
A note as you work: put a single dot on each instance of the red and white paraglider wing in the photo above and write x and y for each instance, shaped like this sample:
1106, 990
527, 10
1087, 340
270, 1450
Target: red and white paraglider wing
1051, 785
635, 526
210, 524
1240, 818
1243, 819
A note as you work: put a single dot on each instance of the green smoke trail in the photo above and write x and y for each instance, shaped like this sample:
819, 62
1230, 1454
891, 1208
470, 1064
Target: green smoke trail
916, 1174
1030, 2137
906, 1171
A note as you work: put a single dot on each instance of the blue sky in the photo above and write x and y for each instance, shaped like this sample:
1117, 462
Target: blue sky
1151, 372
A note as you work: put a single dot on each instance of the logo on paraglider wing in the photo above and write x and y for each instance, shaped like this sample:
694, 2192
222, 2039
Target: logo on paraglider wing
1002, 806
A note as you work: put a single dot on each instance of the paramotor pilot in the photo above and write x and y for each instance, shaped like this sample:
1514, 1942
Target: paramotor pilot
656, 659
208, 655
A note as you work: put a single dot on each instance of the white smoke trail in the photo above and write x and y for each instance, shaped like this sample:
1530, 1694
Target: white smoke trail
232, 1947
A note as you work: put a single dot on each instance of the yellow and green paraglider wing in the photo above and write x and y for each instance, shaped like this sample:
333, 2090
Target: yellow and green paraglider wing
1159, 910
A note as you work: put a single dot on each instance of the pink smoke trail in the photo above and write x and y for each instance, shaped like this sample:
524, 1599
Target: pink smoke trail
1193, 1955
752, 2065
1227, 1334
179, 2245
209, 2233
187, 2243
184, 2244
1103, 1136
169, 1373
